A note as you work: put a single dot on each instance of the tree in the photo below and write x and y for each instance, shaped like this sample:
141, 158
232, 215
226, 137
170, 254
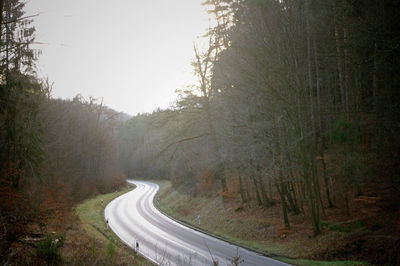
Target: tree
20, 144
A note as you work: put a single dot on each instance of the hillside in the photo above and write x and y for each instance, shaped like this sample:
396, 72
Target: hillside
363, 237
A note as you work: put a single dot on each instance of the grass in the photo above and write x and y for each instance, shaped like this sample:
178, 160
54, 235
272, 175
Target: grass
101, 243
215, 218
305, 262
249, 226
91, 211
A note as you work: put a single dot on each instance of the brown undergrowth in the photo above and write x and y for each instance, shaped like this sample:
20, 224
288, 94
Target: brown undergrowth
363, 236
79, 238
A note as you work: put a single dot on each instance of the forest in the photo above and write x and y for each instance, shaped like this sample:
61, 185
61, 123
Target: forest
54, 153
296, 105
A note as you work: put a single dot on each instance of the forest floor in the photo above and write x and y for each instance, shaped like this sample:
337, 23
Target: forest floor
345, 240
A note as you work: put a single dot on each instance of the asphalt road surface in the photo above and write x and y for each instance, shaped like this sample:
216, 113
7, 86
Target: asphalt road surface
140, 225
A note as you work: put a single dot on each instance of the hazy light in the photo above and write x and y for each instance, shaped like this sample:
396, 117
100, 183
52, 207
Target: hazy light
133, 53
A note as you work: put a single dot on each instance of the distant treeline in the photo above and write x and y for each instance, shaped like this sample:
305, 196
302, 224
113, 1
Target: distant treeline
53, 153
297, 102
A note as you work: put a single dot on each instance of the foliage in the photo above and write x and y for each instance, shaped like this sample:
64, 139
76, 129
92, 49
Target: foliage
81, 147
21, 152
348, 226
53, 153
344, 132
49, 249
111, 247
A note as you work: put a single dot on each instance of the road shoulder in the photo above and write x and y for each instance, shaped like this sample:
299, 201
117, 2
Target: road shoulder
108, 245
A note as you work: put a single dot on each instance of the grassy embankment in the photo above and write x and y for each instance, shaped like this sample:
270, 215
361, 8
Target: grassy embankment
90, 242
250, 226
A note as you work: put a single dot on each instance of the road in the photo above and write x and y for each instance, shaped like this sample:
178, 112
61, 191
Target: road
134, 219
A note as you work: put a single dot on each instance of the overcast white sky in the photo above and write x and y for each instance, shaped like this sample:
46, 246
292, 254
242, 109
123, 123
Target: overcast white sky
133, 53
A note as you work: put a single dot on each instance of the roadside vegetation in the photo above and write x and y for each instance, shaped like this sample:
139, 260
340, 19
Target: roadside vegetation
106, 247
82, 238
289, 142
53, 153
291, 132
262, 230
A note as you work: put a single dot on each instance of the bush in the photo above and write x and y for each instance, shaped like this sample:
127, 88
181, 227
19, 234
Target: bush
325, 224
340, 228
49, 248
348, 226
238, 209
111, 247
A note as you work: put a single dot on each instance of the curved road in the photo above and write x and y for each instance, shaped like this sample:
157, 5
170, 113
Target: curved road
134, 219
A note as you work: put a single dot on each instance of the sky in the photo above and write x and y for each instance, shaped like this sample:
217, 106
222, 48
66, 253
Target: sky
133, 54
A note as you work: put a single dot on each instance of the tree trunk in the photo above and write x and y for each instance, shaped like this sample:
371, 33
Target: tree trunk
282, 191
340, 66
312, 199
241, 188
1, 20
326, 183
267, 201
248, 195
292, 204
256, 190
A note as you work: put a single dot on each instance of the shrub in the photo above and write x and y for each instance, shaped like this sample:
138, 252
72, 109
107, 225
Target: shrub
111, 247
49, 248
